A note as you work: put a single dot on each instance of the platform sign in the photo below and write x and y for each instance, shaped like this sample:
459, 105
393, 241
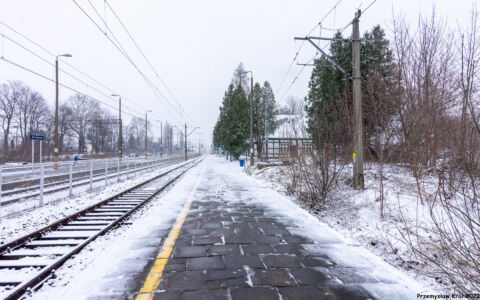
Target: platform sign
34, 138
37, 137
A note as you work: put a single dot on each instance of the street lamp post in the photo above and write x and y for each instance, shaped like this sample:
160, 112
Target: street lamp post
146, 127
161, 137
120, 134
251, 116
55, 138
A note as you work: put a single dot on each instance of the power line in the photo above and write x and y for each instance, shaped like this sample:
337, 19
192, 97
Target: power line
340, 30
107, 27
69, 74
328, 13
289, 68
296, 77
61, 84
66, 63
129, 59
303, 42
147, 60
154, 89
369, 6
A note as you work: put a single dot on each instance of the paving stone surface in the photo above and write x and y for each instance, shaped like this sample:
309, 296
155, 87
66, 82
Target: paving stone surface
232, 246
236, 248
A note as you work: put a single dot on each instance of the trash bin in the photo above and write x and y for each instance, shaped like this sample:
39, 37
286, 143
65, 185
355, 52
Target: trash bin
242, 162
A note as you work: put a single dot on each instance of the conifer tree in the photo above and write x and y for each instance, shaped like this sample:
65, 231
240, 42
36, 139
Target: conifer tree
329, 100
233, 125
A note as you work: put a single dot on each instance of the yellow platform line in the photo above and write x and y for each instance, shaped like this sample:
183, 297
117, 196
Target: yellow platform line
153, 278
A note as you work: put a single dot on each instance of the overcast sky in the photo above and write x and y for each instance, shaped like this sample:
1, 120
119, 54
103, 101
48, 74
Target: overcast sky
193, 45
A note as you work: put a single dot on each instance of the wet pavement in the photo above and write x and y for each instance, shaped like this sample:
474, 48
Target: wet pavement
232, 246
241, 240
238, 250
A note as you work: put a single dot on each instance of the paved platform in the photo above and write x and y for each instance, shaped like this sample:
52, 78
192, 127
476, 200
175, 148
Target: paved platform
235, 244
238, 239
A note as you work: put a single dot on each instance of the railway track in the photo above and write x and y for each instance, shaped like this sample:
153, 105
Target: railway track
28, 261
76, 182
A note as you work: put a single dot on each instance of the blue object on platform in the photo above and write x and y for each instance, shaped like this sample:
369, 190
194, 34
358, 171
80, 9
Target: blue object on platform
241, 162
75, 158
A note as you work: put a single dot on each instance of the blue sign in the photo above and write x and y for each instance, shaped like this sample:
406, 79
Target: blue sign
37, 137
220, 145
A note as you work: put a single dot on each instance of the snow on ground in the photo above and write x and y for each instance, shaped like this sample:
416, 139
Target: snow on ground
356, 214
99, 268
351, 252
98, 182
58, 205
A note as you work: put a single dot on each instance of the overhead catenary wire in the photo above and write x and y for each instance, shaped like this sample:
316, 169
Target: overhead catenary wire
69, 74
340, 30
301, 46
107, 28
371, 3
13, 63
65, 63
120, 48
149, 83
296, 77
52, 54
303, 67
147, 60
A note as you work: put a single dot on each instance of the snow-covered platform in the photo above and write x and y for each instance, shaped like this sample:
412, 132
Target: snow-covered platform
239, 240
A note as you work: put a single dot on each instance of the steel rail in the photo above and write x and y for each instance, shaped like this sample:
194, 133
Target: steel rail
46, 271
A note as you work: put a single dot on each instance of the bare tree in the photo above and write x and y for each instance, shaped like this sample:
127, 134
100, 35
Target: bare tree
136, 133
65, 124
83, 111
438, 88
424, 90
31, 111
9, 98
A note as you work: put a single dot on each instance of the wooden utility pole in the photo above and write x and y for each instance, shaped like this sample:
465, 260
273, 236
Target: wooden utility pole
357, 154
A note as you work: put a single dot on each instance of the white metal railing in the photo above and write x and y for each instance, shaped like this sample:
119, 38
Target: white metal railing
16, 173
86, 172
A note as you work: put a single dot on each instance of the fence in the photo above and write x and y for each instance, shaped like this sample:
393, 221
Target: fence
32, 180
278, 148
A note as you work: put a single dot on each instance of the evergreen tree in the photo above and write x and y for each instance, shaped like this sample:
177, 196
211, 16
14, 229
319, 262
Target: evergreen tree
329, 100
220, 134
262, 94
237, 126
233, 125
